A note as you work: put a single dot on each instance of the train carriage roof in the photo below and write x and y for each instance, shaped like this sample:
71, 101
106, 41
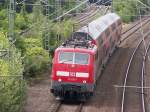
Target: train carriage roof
95, 28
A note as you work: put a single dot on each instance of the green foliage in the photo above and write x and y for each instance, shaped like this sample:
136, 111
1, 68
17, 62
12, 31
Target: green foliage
125, 9
33, 42
3, 14
20, 23
3, 41
17, 67
3, 19
3, 68
20, 45
129, 10
27, 57
63, 30
12, 85
12, 94
36, 60
68, 4
68, 25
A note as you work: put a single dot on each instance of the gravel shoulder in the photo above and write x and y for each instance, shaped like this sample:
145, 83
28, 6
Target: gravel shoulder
39, 97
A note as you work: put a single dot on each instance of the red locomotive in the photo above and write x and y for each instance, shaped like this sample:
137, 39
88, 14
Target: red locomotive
78, 62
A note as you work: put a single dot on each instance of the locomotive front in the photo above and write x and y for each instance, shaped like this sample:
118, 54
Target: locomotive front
72, 73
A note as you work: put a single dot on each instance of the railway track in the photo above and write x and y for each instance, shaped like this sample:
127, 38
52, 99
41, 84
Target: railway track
59, 106
62, 107
126, 34
107, 98
130, 99
97, 11
143, 79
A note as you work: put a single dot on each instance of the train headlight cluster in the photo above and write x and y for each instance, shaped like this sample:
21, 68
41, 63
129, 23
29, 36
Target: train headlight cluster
59, 80
84, 81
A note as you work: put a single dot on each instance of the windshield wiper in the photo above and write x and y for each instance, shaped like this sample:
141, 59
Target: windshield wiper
65, 61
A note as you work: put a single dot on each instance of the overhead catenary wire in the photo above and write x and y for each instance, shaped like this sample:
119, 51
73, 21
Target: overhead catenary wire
143, 4
59, 17
21, 2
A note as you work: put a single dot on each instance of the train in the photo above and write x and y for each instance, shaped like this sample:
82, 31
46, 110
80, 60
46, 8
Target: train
78, 62
101, 2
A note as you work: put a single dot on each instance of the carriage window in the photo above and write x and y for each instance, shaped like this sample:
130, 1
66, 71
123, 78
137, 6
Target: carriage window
107, 32
96, 55
81, 58
119, 23
100, 41
113, 26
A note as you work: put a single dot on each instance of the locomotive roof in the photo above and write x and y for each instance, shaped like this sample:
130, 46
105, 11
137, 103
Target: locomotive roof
71, 49
96, 27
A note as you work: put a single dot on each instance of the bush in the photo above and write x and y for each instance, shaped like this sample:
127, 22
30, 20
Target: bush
63, 29
36, 61
126, 9
12, 94
3, 14
20, 22
3, 41
12, 85
3, 68
33, 42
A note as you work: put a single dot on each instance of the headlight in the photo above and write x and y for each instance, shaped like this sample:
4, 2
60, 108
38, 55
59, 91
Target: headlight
84, 81
62, 73
80, 74
59, 80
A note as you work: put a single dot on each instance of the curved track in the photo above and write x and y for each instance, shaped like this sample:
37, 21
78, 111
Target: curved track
107, 97
78, 108
126, 34
132, 76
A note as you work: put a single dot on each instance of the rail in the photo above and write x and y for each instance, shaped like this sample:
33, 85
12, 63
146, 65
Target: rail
143, 79
127, 72
136, 26
55, 107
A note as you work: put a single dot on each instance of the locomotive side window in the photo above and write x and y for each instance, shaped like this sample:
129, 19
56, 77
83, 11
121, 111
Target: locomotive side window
96, 55
113, 27
107, 32
119, 23
81, 58
66, 57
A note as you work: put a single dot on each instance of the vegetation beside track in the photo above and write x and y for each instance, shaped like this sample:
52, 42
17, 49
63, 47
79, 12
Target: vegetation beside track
130, 10
12, 85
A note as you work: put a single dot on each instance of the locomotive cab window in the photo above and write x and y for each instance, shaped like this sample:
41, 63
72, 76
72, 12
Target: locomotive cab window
66, 57
81, 58
74, 58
